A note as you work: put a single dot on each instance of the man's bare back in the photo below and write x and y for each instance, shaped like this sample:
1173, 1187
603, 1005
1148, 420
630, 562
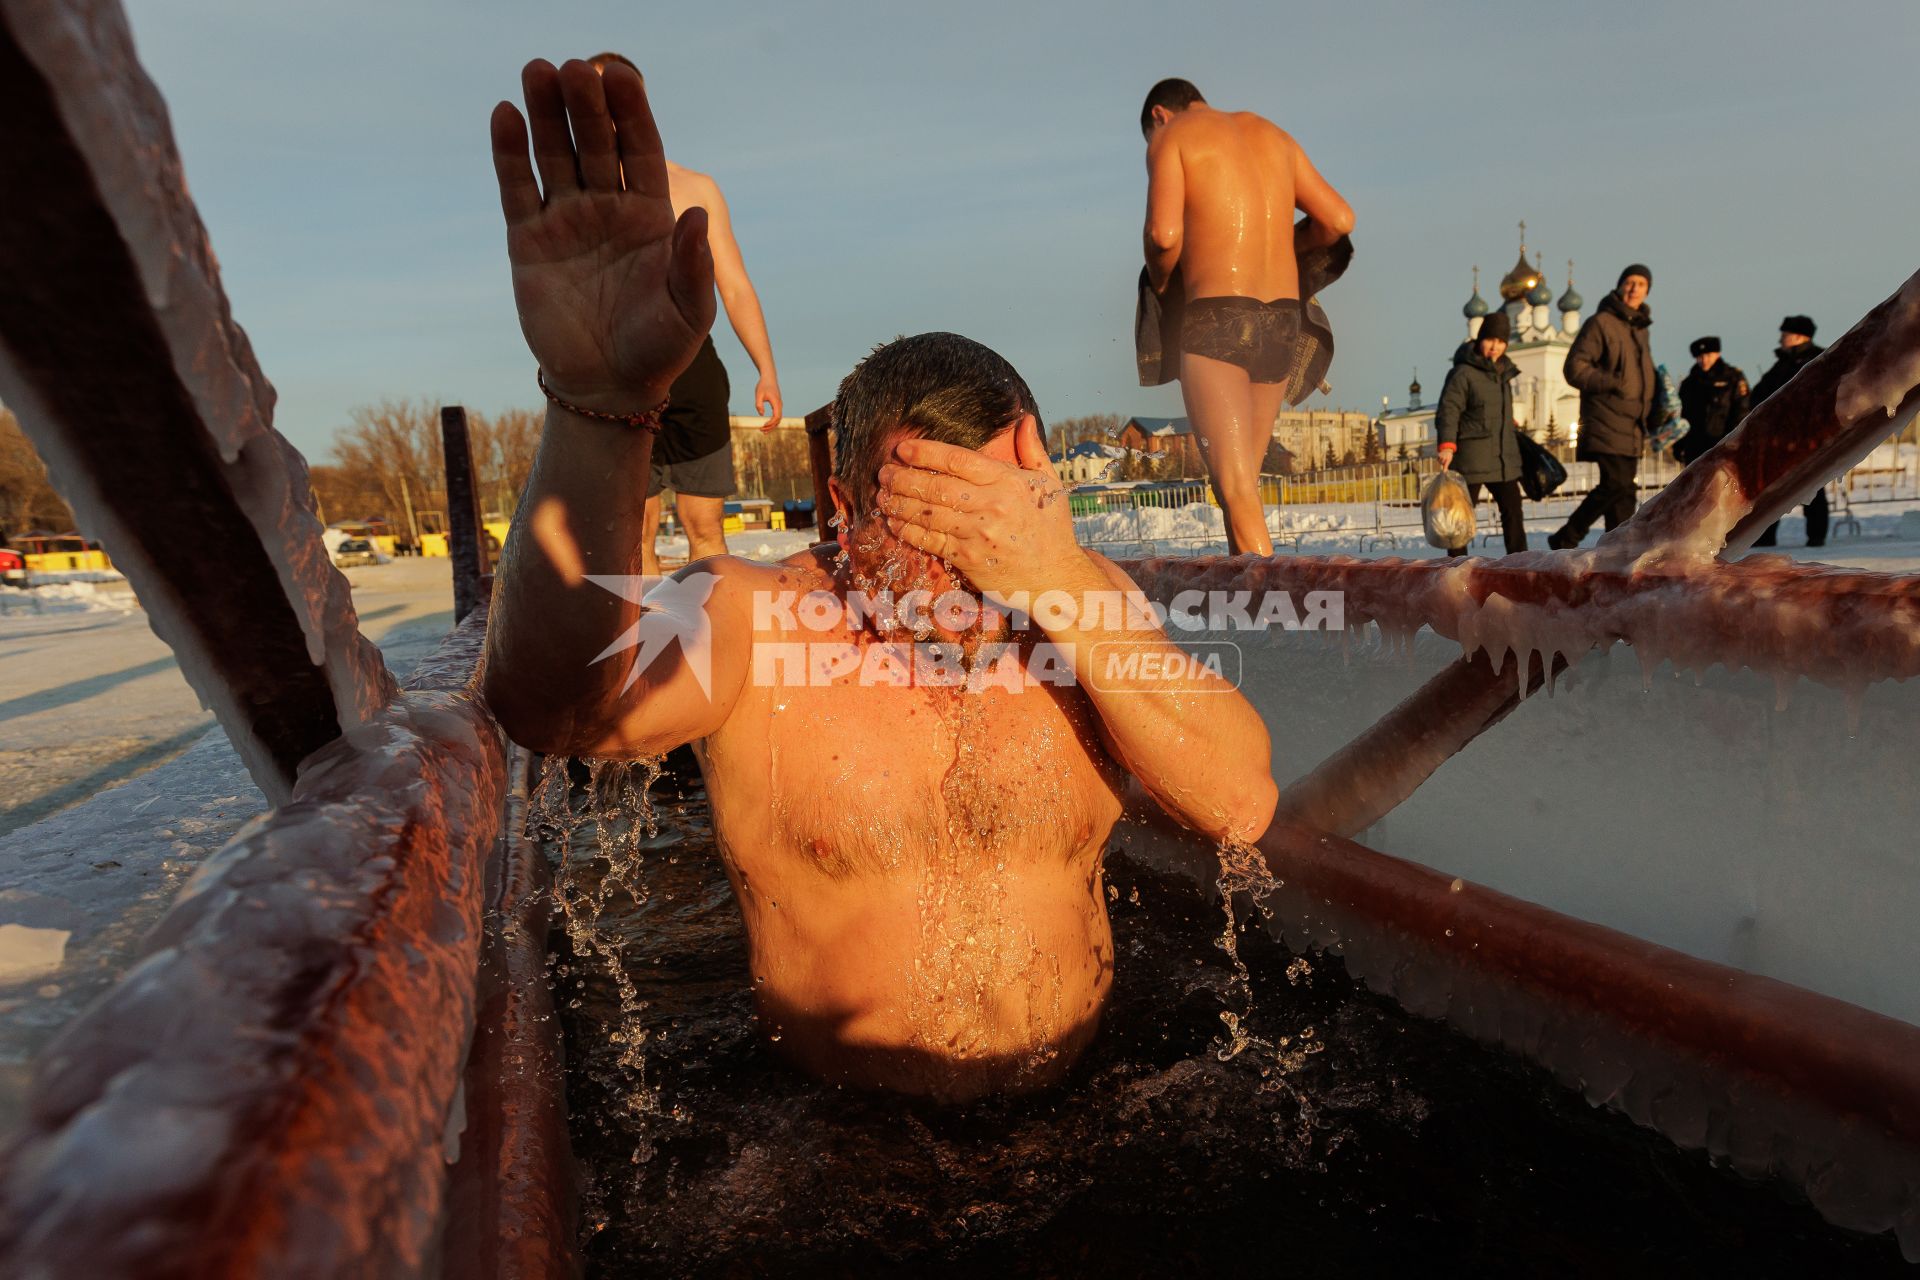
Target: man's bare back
1237, 205
1222, 190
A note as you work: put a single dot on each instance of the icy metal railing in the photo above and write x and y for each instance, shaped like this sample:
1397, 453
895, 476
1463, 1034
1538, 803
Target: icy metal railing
121, 361
271, 1090
278, 1086
1828, 1094
1774, 1080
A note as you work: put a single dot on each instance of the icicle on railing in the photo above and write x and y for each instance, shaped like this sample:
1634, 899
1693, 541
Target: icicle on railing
1654, 583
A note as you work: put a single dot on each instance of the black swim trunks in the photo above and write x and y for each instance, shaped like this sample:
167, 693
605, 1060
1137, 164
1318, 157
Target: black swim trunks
695, 423
1261, 337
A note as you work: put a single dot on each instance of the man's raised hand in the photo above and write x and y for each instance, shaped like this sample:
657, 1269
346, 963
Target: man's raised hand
614, 296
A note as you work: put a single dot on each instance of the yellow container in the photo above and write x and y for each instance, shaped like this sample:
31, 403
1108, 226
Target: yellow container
68, 562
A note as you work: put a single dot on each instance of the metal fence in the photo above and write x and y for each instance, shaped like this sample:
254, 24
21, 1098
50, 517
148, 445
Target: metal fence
1380, 503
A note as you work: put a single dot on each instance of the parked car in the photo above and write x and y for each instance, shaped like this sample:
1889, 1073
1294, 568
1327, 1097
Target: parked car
13, 568
354, 551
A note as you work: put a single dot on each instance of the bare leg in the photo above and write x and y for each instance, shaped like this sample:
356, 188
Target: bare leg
1219, 401
705, 520
1267, 399
649, 530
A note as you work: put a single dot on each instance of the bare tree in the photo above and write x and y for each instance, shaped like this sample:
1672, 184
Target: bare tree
772, 464
1068, 432
27, 500
393, 448
503, 446
345, 493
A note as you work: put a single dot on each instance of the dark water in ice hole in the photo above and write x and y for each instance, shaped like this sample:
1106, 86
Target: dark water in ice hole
1383, 1140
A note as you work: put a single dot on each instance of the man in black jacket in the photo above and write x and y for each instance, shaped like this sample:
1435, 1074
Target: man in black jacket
1611, 365
1474, 424
1713, 399
1795, 352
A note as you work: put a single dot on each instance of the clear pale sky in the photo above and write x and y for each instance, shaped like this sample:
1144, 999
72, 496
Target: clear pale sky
979, 167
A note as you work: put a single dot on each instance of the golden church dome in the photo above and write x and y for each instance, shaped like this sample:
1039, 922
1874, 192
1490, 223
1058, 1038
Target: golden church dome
1522, 280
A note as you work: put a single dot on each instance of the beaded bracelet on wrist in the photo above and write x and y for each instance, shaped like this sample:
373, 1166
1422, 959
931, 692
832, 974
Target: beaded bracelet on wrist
648, 419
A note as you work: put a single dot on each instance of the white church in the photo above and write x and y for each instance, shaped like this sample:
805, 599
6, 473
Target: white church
1544, 405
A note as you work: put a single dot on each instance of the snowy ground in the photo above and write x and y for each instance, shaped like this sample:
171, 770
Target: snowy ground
93, 707
89, 696
1361, 529
759, 544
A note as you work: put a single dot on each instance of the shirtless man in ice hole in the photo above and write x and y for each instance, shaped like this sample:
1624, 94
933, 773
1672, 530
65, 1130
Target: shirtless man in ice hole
918, 868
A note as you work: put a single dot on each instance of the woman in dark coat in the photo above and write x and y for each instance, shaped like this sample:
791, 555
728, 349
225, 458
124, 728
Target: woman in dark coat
1478, 441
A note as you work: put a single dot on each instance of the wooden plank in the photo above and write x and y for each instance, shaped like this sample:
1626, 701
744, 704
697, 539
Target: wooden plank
466, 536
820, 461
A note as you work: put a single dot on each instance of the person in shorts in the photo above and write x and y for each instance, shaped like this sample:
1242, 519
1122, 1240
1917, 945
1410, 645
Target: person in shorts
694, 455
1222, 189
694, 458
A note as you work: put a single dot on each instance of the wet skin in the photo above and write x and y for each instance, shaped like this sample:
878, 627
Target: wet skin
918, 867
1221, 194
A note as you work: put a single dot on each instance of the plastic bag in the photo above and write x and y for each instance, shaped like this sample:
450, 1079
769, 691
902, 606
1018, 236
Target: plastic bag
1540, 472
1664, 423
1446, 512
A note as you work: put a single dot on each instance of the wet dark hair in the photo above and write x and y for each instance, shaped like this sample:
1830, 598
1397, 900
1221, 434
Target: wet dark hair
1174, 94
940, 386
601, 59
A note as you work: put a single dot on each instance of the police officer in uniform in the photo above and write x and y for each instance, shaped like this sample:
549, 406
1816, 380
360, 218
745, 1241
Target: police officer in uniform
1796, 351
1713, 399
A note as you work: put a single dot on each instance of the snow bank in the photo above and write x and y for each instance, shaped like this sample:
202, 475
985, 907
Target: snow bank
40, 578
64, 597
752, 544
1351, 528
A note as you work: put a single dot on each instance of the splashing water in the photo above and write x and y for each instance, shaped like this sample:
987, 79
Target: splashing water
1243, 870
590, 875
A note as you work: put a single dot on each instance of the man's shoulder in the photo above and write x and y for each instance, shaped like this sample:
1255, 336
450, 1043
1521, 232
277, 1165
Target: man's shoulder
810, 559
1263, 132
692, 186
734, 591
735, 577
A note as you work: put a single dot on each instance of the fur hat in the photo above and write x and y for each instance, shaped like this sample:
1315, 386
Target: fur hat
1701, 346
1797, 324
